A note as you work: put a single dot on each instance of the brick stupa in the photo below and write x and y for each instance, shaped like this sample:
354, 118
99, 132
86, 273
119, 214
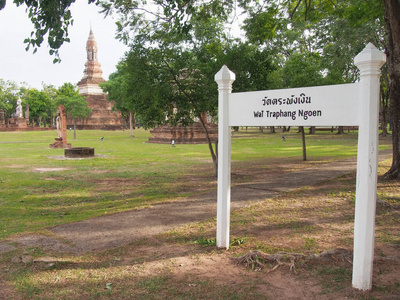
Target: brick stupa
102, 115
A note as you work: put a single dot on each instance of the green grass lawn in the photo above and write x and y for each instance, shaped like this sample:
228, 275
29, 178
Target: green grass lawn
127, 173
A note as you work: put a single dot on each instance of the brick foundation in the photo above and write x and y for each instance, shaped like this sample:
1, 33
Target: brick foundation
192, 134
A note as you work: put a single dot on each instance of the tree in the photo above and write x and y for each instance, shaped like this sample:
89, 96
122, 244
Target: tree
118, 91
253, 66
174, 84
39, 104
337, 31
299, 70
9, 92
392, 26
374, 14
75, 105
169, 71
171, 85
51, 92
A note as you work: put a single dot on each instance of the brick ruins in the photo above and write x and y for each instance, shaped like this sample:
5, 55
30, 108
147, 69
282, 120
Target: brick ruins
102, 115
191, 134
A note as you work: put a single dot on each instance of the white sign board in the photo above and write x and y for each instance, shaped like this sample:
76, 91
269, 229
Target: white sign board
347, 104
332, 105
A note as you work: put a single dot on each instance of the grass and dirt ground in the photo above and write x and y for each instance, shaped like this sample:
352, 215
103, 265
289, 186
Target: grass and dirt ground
40, 192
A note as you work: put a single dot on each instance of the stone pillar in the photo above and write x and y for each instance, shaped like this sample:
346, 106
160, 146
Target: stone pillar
63, 116
61, 139
27, 112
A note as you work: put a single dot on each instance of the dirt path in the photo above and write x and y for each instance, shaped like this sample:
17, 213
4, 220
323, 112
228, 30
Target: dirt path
115, 230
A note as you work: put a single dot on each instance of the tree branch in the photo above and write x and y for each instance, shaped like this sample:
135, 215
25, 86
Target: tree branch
294, 10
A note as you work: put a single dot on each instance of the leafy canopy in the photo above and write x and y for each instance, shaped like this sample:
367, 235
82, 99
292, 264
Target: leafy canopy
9, 92
75, 105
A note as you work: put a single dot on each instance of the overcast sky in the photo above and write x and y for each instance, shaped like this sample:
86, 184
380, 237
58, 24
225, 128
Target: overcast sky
19, 65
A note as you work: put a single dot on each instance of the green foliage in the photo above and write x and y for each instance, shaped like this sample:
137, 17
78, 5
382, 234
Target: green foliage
40, 106
178, 16
252, 66
301, 69
51, 93
41, 103
327, 34
135, 87
174, 80
75, 105
118, 90
264, 25
237, 241
8, 97
68, 90
167, 76
206, 242
343, 33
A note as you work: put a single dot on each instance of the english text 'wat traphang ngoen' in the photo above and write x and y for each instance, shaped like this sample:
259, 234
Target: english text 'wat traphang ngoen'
102, 115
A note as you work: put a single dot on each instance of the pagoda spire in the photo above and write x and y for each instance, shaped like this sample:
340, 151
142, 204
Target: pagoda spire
92, 75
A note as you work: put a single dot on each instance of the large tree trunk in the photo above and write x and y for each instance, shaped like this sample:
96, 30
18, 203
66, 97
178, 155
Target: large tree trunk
392, 25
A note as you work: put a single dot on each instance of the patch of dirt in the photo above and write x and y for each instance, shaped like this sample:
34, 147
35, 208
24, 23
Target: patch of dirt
47, 243
8, 292
62, 157
4, 247
42, 170
16, 167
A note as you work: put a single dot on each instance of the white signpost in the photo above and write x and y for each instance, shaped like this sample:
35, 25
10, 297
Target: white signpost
355, 104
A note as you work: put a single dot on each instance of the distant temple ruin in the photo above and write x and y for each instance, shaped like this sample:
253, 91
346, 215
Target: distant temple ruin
102, 115
191, 134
